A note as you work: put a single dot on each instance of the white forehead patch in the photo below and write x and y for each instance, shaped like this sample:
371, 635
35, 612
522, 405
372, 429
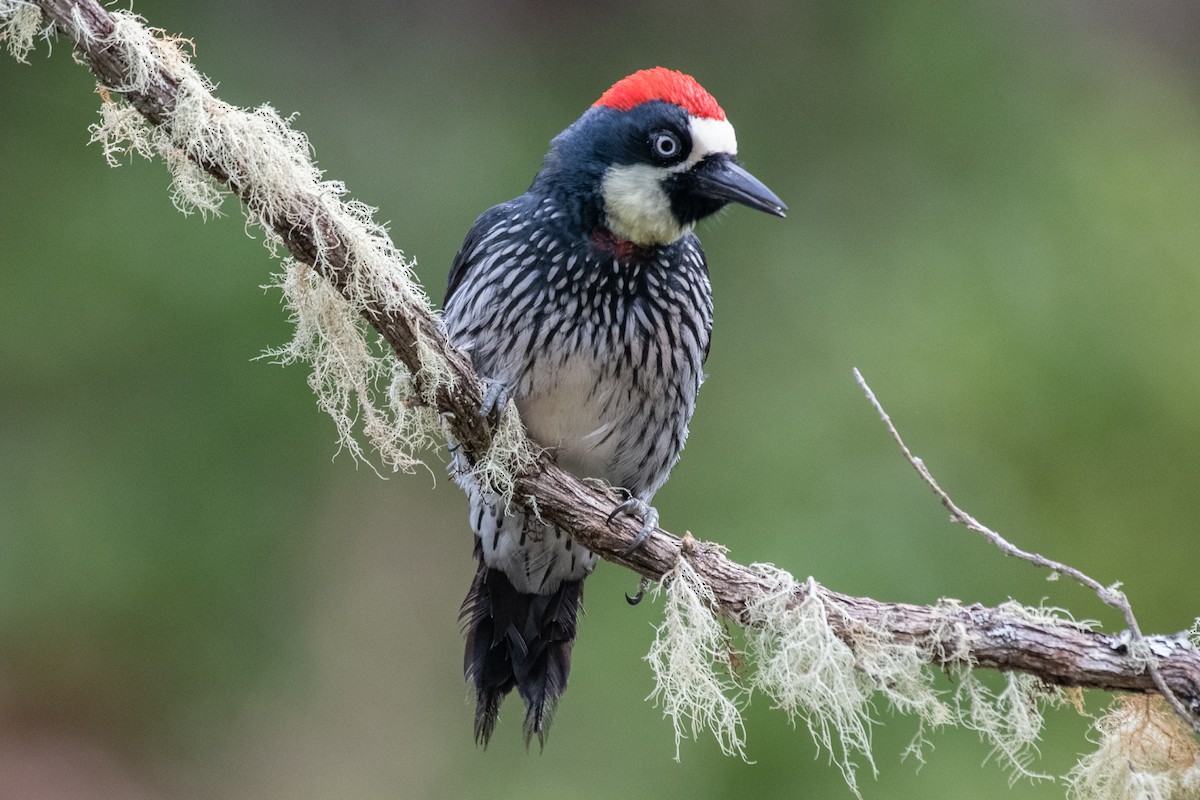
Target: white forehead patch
710, 136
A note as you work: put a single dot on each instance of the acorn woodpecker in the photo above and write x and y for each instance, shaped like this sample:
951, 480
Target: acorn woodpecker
586, 301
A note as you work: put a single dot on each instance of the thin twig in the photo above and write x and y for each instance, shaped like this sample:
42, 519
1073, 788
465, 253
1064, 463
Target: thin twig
1109, 595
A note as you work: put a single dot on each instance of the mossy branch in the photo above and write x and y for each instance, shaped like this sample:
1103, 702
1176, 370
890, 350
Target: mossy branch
797, 632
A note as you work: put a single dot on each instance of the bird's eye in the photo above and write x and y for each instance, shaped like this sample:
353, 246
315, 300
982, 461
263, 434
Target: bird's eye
666, 145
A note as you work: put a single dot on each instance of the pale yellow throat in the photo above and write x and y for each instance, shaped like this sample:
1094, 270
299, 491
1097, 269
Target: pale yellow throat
636, 206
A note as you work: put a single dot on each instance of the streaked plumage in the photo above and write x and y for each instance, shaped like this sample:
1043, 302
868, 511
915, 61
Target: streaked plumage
587, 301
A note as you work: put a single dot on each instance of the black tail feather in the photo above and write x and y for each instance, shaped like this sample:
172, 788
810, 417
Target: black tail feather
521, 641
485, 664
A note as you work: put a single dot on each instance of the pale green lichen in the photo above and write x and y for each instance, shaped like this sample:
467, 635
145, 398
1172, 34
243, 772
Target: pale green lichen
691, 657
122, 131
192, 189
357, 382
510, 454
141, 51
20, 24
1049, 616
1010, 720
900, 673
811, 673
1144, 752
347, 374
829, 670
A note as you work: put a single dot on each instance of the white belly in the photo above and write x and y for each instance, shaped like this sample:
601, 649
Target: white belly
569, 411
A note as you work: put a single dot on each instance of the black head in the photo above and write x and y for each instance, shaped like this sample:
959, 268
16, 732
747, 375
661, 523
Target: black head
651, 158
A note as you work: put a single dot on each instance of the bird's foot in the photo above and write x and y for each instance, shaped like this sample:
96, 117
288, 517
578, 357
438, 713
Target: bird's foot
495, 400
639, 507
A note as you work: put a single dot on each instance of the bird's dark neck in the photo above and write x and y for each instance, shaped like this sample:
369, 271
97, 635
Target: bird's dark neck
577, 196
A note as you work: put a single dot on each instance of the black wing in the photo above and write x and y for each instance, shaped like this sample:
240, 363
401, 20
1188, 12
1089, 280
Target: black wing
467, 254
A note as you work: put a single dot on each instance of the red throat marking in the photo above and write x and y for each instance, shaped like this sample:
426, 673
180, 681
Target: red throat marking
606, 241
664, 84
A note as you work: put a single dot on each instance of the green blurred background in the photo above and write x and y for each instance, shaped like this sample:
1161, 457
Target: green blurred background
993, 215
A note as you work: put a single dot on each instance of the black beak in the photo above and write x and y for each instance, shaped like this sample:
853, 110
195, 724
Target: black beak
721, 179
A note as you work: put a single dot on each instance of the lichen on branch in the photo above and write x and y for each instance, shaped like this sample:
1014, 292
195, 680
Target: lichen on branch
345, 274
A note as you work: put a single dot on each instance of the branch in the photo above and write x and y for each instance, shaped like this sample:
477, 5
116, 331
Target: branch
315, 230
1109, 595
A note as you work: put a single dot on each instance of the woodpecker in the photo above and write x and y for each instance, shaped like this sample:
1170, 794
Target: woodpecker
586, 301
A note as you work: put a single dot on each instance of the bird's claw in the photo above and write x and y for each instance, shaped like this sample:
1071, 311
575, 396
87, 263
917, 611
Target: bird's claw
495, 399
638, 506
643, 585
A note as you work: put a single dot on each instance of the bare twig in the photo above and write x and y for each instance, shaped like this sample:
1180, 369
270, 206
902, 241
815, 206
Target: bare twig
1109, 595
994, 638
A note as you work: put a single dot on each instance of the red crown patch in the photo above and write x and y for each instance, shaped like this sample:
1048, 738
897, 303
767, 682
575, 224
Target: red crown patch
664, 84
